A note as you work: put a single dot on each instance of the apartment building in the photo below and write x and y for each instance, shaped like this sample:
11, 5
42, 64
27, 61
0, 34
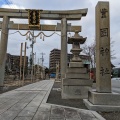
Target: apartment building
54, 57
13, 63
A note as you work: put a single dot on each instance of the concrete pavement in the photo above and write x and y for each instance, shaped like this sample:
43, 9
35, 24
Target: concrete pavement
29, 103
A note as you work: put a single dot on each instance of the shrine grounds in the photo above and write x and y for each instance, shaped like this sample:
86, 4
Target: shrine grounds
55, 98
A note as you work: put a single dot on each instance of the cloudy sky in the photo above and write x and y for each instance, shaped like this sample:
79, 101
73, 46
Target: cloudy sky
87, 23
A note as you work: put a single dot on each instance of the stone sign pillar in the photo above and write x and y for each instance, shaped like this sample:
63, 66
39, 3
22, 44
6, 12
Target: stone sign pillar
3, 48
103, 99
103, 65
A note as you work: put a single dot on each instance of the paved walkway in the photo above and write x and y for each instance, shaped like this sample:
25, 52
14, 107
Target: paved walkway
29, 103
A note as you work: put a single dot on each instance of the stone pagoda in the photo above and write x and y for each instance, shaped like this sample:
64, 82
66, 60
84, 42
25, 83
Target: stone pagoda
76, 83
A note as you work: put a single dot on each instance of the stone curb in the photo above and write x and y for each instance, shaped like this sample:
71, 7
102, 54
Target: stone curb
47, 94
98, 115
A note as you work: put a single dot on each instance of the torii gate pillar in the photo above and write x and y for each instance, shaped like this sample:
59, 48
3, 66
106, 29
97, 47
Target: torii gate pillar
63, 47
3, 47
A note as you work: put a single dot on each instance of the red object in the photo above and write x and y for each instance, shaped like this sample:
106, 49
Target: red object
91, 75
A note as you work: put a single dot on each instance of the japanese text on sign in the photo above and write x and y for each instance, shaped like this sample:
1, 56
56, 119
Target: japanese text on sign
104, 71
104, 32
34, 18
103, 12
104, 51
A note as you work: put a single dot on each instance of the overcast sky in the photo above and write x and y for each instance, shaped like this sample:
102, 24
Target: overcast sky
87, 23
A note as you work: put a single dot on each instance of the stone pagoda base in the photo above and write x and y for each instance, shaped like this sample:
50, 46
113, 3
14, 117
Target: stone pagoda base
103, 101
76, 83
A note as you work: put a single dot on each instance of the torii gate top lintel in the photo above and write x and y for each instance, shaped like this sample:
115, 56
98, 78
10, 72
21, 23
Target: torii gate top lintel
45, 14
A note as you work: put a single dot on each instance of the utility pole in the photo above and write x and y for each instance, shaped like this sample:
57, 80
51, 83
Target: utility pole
24, 63
42, 58
32, 57
32, 54
34, 65
21, 62
42, 65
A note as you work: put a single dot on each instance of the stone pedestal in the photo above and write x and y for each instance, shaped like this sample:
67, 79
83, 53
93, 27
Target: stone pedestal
76, 83
103, 99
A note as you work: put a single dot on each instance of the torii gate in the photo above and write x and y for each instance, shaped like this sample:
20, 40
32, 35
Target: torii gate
63, 15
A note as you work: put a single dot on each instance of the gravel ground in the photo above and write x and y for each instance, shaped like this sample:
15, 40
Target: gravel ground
110, 115
6, 89
55, 98
12, 85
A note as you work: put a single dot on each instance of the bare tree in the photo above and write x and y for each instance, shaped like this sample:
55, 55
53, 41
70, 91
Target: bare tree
112, 52
90, 50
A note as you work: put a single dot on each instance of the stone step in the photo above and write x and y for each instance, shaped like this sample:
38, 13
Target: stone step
76, 64
81, 82
76, 70
75, 75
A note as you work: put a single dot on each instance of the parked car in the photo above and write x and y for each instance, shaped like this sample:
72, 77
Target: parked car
52, 75
115, 77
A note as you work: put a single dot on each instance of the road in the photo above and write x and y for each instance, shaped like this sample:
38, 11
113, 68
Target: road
116, 85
